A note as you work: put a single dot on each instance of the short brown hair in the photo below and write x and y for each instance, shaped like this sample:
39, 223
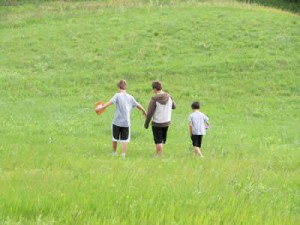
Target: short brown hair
122, 84
157, 85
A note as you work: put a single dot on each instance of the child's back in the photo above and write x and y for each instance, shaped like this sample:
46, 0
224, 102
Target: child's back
198, 120
124, 103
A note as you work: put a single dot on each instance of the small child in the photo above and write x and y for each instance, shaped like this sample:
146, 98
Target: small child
121, 123
198, 124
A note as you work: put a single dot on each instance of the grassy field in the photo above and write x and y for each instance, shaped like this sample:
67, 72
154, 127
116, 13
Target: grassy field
240, 61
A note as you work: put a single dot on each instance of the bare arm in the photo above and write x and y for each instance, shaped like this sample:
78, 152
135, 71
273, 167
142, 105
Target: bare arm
207, 124
104, 106
107, 104
206, 121
190, 128
142, 109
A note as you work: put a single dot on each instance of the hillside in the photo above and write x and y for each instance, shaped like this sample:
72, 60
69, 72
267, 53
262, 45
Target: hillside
240, 61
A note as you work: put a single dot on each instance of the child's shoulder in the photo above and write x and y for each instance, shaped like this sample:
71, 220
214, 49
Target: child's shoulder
197, 113
120, 94
202, 113
193, 114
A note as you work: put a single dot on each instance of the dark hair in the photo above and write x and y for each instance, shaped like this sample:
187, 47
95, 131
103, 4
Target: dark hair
157, 85
122, 84
196, 105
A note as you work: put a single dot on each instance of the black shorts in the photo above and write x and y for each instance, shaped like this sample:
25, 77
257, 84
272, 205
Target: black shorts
160, 134
120, 133
197, 140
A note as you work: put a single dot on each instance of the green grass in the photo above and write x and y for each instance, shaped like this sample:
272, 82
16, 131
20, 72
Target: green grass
58, 58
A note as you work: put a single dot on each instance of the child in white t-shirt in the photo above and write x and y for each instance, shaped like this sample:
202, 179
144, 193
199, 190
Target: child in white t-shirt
121, 123
198, 124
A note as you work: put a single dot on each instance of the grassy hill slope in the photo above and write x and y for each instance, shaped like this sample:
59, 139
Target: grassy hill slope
59, 58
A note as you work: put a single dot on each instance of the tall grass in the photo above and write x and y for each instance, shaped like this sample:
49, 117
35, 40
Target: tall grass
59, 58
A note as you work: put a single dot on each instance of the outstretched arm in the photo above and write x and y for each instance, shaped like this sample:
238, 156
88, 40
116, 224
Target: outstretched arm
100, 107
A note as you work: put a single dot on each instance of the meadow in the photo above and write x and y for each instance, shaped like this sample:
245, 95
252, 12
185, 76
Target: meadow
240, 61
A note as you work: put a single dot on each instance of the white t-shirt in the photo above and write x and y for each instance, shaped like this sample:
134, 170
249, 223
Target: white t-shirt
162, 112
198, 120
124, 104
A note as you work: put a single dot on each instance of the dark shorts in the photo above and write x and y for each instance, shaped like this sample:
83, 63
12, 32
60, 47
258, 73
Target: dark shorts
197, 140
160, 134
120, 133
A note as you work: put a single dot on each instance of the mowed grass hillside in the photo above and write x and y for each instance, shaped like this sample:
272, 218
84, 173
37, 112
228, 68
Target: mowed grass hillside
240, 61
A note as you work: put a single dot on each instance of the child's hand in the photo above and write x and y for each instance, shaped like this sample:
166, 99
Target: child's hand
100, 107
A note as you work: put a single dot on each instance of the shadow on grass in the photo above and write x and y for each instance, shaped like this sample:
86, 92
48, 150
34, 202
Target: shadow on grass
287, 5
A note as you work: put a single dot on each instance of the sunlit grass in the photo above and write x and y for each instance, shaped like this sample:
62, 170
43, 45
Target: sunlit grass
59, 58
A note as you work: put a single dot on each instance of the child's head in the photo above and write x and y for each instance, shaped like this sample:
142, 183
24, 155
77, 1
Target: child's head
122, 84
195, 105
157, 85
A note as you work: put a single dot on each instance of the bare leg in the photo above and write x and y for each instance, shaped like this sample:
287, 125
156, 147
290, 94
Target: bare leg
197, 151
114, 147
124, 147
159, 148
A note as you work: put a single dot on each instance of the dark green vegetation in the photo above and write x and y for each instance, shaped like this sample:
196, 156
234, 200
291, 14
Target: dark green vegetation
57, 59
289, 5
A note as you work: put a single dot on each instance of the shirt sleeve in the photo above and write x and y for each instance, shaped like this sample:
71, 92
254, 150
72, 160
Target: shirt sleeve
205, 118
134, 103
150, 112
114, 99
190, 118
173, 104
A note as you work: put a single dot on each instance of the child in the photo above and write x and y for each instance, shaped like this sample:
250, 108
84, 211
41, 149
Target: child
159, 110
121, 122
198, 124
